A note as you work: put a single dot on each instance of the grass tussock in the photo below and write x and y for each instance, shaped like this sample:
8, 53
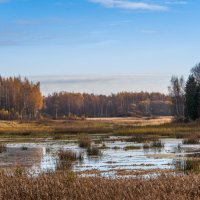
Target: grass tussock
66, 159
68, 155
192, 165
94, 151
189, 165
131, 147
3, 148
157, 144
84, 141
192, 139
146, 146
24, 148
116, 148
69, 186
141, 138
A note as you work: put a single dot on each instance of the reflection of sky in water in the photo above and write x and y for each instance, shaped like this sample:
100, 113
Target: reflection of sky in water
111, 159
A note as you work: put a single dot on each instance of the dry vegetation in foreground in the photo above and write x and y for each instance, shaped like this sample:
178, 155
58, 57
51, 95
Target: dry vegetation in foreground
68, 186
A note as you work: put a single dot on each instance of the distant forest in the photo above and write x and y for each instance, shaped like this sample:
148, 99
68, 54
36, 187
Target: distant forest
123, 104
22, 99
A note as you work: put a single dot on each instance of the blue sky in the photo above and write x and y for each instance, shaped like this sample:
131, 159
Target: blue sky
99, 46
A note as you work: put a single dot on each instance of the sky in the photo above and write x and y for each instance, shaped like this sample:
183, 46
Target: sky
99, 46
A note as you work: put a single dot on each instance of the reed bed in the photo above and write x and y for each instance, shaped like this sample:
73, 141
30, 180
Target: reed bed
64, 186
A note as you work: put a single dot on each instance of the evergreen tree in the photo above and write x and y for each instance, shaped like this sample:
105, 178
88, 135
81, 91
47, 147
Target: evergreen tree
191, 98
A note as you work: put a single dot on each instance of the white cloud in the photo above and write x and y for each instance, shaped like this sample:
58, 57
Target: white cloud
176, 2
131, 5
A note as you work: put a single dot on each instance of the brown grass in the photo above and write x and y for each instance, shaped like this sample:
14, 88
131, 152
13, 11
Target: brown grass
66, 186
192, 139
67, 158
2, 148
94, 151
84, 141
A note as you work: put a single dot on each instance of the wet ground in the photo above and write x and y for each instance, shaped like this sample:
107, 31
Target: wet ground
114, 160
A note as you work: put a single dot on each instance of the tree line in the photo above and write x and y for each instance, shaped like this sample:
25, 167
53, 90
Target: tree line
123, 104
22, 99
186, 96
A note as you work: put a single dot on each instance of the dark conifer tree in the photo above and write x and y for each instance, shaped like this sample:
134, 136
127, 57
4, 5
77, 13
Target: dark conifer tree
191, 98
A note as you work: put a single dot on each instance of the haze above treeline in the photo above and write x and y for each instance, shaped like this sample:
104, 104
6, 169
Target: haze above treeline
23, 99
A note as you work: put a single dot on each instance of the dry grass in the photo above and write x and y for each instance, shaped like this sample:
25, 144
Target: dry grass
67, 158
157, 144
189, 165
55, 129
131, 147
68, 155
142, 121
2, 148
94, 151
176, 130
84, 141
141, 138
66, 186
192, 139
71, 129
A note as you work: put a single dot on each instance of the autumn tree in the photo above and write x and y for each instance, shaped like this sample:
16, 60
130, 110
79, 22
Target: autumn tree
19, 98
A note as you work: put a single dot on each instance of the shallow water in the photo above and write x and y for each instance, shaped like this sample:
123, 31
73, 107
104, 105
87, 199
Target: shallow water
42, 157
